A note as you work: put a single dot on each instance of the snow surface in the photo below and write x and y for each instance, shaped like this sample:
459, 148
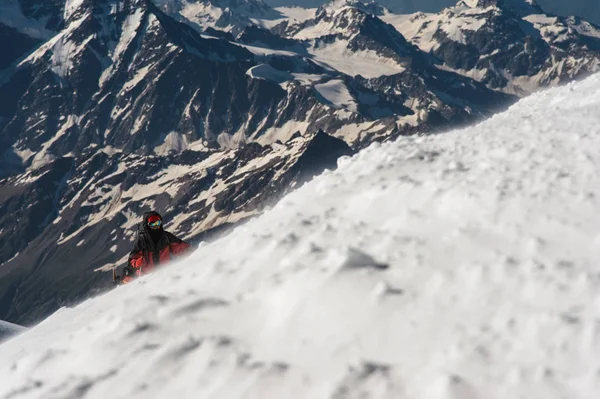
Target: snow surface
367, 63
454, 266
282, 133
337, 94
294, 14
129, 28
71, 7
8, 330
267, 72
421, 27
413, 28
174, 142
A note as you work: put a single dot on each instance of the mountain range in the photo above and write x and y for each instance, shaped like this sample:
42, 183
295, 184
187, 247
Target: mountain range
210, 110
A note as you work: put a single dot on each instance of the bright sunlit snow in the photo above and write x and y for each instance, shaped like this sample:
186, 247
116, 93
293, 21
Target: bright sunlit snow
367, 63
454, 266
336, 94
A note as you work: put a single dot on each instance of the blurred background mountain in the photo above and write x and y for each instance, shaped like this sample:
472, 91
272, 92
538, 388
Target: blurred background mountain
590, 9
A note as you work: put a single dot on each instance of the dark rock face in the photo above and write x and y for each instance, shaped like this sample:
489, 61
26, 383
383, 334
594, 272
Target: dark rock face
322, 152
14, 45
51, 12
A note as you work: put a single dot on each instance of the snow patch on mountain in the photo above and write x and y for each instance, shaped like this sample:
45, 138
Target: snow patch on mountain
44, 155
557, 30
337, 94
204, 14
61, 43
366, 63
70, 7
455, 27
293, 15
174, 142
9, 330
368, 6
282, 133
64, 53
267, 72
413, 28
130, 27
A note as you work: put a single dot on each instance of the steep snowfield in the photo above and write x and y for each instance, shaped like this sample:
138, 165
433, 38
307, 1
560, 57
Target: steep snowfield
454, 266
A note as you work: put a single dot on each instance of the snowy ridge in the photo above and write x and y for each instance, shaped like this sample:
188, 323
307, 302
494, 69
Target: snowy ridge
461, 265
9, 330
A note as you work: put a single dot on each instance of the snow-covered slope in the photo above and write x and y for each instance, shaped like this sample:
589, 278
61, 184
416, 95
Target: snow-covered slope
8, 330
458, 266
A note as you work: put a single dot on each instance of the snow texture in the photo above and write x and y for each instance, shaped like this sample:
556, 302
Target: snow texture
8, 330
366, 63
267, 72
455, 266
336, 94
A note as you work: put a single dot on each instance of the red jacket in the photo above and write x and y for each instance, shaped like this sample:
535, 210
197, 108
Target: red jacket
149, 252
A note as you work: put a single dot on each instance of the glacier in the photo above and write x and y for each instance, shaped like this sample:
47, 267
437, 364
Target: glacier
461, 265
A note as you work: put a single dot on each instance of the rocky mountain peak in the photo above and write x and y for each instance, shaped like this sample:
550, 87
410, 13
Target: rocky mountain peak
521, 7
369, 7
510, 45
231, 16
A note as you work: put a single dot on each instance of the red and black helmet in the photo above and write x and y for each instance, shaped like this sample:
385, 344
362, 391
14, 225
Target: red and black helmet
153, 220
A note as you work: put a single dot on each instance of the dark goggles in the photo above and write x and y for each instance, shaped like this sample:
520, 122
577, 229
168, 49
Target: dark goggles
155, 224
